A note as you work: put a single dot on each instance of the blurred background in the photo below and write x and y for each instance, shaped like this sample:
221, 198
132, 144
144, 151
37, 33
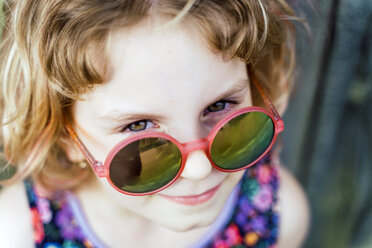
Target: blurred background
328, 134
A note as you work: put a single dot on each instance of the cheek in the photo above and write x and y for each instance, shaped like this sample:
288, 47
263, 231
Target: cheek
123, 200
140, 207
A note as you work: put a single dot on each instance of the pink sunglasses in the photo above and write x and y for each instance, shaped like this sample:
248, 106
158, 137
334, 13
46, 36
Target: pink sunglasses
151, 161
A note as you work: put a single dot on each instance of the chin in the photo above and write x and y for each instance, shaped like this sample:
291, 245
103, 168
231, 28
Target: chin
186, 227
186, 223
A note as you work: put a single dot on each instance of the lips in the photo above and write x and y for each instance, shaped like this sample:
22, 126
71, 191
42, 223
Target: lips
193, 199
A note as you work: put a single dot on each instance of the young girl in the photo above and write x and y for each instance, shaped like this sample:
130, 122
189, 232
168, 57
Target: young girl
147, 124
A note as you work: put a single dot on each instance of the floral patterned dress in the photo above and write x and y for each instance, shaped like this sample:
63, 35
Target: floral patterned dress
253, 222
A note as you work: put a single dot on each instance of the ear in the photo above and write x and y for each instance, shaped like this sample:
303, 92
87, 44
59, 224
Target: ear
71, 150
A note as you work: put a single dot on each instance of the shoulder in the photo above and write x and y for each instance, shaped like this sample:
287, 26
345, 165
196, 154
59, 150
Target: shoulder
15, 225
294, 211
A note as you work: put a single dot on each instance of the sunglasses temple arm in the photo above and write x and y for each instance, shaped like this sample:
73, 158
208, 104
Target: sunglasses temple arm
269, 103
91, 160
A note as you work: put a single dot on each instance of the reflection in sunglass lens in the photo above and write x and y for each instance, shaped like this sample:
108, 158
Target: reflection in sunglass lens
242, 140
145, 165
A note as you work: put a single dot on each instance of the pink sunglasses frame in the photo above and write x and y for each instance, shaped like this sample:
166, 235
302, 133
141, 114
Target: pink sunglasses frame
102, 169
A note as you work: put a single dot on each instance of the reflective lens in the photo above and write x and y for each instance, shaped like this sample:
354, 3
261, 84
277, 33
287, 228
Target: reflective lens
242, 140
145, 165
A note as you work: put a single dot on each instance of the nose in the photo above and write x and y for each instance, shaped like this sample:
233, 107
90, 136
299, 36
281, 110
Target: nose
197, 166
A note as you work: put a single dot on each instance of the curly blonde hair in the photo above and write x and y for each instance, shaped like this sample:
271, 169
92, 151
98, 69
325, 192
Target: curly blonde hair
47, 62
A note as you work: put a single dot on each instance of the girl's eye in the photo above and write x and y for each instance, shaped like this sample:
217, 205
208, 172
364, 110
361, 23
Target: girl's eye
138, 125
220, 107
217, 106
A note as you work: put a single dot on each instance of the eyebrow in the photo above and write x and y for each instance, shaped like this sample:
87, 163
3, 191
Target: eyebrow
120, 117
117, 116
239, 87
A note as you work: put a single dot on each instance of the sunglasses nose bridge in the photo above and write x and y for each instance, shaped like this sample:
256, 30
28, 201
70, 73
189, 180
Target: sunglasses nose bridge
201, 144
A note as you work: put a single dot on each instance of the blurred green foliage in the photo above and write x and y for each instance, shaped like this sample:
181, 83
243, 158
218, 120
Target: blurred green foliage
6, 172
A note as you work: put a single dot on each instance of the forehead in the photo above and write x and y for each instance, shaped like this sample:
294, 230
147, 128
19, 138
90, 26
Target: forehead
150, 68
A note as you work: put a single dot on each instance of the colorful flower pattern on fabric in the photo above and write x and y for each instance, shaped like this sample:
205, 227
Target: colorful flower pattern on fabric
253, 224
53, 223
38, 226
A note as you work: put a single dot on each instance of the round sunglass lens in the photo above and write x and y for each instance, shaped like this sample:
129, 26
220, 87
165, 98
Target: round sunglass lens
242, 140
145, 165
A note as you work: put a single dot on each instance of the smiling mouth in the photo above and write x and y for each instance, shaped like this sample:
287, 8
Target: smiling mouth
193, 199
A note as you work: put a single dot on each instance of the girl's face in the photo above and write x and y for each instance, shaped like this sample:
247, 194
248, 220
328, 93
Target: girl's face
166, 81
